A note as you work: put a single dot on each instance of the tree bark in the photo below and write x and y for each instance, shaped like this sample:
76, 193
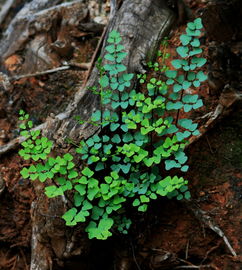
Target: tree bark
142, 24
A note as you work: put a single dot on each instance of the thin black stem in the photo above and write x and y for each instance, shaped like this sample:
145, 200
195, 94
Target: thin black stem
182, 93
101, 109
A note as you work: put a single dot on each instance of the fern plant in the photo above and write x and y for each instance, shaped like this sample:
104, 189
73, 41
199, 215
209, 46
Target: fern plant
139, 139
34, 147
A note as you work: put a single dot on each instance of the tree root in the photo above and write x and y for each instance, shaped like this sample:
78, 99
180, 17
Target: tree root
5, 9
227, 99
205, 219
40, 73
94, 56
17, 141
213, 116
83, 66
194, 267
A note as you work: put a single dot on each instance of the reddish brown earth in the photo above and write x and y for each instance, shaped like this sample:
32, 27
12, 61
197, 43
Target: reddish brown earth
169, 236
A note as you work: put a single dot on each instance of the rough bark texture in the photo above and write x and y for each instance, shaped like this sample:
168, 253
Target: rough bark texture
37, 29
18, 30
168, 235
141, 25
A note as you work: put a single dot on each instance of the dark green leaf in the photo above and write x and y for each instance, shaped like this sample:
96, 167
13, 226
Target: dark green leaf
201, 76
185, 39
186, 85
86, 205
191, 76
190, 98
109, 57
125, 168
198, 23
187, 195
177, 63
195, 42
182, 51
111, 48
127, 137
187, 107
198, 104
96, 116
104, 81
191, 26
195, 51
169, 81
114, 126
177, 88
174, 106
116, 139
78, 199
169, 164
171, 74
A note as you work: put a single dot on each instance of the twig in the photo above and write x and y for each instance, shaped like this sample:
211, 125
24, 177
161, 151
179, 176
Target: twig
226, 242
228, 97
209, 251
9, 263
207, 220
203, 129
210, 148
187, 248
193, 266
15, 142
134, 256
15, 262
185, 261
84, 66
22, 243
24, 259
94, 56
40, 73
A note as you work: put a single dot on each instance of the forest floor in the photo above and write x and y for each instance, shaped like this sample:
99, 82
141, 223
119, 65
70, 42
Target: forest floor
170, 235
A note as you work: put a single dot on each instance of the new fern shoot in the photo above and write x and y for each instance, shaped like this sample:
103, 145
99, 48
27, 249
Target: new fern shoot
140, 138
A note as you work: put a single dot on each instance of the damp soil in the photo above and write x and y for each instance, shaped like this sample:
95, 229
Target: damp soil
169, 236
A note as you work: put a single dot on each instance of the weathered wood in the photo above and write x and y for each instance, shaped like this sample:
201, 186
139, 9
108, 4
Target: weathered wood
40, 19
50, 237
17, 31
91, 27
142, 24
4, 9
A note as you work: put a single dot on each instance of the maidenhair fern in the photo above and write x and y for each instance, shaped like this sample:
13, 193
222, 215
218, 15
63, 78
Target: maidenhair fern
141, 136
33, 147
